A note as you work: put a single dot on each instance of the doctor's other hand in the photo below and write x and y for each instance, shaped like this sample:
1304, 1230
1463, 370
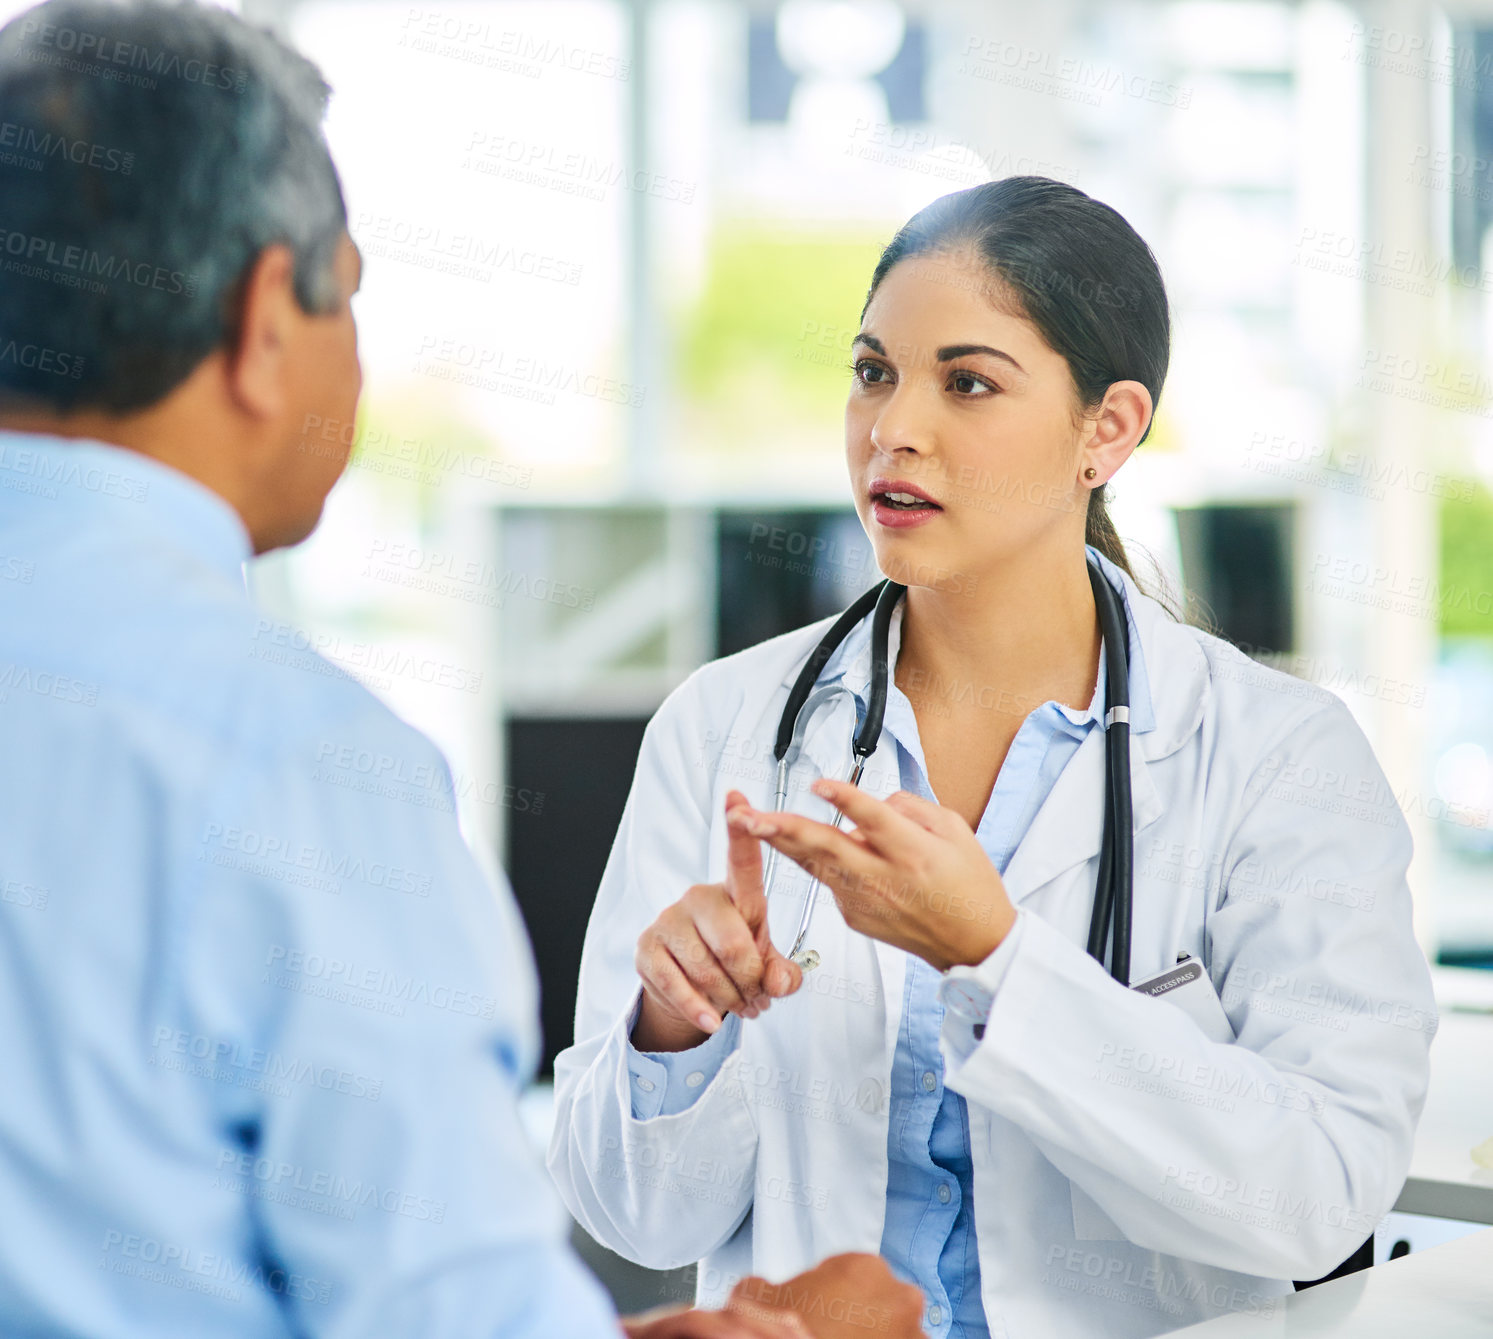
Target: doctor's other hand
911, 873
710, 953
843, 1296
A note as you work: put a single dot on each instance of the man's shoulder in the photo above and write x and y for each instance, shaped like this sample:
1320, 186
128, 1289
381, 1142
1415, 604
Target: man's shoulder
300, 690
261, 690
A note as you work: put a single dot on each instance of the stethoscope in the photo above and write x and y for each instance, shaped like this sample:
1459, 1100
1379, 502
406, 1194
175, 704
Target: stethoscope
1113, 889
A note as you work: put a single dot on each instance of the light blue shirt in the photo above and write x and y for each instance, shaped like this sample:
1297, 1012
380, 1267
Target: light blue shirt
266, 1022
928, 1235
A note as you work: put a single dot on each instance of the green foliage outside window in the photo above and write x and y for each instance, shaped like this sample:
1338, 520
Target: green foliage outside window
766, 349
1467, 565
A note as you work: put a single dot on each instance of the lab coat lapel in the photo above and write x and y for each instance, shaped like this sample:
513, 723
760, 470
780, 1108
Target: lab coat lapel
1069, 827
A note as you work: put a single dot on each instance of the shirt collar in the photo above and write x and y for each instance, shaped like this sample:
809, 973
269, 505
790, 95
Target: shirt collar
852, 662
113, 485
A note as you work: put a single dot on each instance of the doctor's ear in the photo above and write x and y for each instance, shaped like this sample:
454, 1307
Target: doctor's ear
1113, 432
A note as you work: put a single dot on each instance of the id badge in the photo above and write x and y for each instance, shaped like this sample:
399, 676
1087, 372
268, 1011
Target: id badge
1187, 986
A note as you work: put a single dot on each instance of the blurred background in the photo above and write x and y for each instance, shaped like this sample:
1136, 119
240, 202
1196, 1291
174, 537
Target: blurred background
615, 254
614, 257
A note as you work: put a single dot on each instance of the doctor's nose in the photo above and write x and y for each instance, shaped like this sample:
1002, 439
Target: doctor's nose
899, 432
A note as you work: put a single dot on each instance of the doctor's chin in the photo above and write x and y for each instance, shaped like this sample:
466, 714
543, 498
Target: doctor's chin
789, 669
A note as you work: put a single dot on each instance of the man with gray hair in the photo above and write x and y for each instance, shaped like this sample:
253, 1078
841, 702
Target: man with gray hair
214, 1121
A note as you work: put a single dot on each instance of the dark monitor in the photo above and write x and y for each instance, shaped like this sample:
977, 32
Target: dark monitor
1239, 561
779, 570
583, 768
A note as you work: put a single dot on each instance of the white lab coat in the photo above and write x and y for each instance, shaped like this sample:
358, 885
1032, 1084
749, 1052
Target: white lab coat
1130, 1175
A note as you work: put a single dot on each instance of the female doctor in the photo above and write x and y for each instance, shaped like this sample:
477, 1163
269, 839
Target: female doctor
958, 1084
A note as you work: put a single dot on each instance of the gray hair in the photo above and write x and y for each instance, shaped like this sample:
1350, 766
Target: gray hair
149, 151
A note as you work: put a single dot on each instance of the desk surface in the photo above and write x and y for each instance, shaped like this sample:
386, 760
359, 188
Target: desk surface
1443, 1293
1444, 1180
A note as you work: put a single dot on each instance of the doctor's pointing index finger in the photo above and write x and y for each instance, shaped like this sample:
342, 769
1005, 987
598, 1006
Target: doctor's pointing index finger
744, 886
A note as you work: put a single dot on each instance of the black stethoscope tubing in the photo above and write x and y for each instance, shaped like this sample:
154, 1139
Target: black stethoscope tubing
1112, 892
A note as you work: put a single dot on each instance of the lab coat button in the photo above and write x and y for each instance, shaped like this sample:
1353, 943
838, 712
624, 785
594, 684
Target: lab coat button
930, 1080
645, 1084
696, 1079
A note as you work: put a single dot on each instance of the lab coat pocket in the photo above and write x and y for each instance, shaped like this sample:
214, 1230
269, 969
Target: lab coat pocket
1090, 1222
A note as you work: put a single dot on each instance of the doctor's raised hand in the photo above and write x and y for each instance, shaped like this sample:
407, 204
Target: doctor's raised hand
710, 953
911, 873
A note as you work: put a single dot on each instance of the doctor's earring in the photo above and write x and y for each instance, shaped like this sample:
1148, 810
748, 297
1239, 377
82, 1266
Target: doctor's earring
1090, 472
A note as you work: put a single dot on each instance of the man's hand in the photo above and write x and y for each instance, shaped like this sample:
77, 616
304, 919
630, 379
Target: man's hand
692, 1323
842, 1297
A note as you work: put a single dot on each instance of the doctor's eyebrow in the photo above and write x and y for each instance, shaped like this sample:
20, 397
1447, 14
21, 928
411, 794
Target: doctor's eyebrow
946, 354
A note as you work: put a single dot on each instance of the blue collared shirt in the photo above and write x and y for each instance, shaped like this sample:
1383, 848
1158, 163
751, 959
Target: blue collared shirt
266, 1021
928, 1235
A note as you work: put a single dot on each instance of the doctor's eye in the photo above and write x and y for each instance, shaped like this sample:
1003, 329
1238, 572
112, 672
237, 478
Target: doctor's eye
862, 366
970, 386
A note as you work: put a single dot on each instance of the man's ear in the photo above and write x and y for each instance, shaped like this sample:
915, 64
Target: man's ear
258, 359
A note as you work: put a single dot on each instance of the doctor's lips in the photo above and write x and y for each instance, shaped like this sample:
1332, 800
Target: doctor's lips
897, 504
